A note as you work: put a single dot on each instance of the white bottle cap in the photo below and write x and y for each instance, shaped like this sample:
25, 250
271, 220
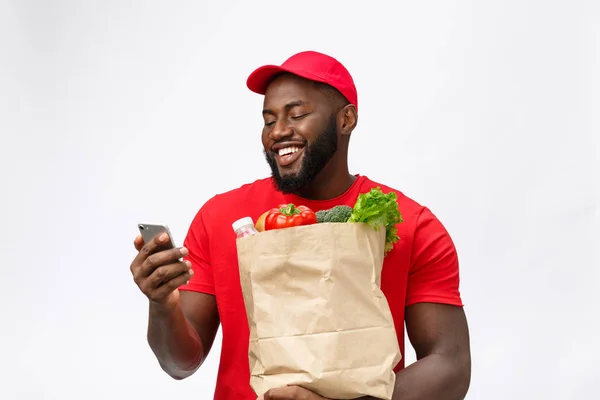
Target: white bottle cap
242, 222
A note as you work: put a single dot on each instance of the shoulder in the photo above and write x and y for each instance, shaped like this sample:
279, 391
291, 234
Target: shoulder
432, 259
241, 195
222, 209
409, 208
420, 225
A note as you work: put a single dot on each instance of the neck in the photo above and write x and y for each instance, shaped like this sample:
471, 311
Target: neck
330, 183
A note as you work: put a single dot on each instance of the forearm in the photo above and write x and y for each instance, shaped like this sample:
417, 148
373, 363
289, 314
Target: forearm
435, 377
174, 341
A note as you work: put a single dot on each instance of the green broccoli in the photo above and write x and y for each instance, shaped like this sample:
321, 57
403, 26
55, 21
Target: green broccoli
336, 214
322, 215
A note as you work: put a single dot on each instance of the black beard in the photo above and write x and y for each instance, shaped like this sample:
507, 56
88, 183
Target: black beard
316, 156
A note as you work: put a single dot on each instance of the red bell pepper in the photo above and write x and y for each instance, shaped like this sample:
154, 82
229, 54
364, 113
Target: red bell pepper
288, 215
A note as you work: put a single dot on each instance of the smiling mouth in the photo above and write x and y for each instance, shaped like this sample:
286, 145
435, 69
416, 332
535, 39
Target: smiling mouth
288, 155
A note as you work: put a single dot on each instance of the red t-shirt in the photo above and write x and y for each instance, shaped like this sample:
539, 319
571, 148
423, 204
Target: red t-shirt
422, 267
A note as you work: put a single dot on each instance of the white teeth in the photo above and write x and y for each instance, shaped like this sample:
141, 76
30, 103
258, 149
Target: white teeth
288, 150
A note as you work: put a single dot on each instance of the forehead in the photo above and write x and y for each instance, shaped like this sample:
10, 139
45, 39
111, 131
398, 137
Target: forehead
289, 88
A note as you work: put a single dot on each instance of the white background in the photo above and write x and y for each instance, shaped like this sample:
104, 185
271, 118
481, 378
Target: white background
117, 112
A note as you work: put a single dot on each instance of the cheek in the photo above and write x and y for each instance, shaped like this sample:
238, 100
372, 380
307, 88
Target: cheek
265, 138
309, 130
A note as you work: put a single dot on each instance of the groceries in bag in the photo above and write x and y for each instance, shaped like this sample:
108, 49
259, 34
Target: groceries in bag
315, 309
374, 208
244, 227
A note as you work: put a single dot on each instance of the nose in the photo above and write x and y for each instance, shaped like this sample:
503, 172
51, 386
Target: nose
280, 131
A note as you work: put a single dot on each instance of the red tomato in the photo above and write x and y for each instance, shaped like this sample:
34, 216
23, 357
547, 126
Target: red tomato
288, 215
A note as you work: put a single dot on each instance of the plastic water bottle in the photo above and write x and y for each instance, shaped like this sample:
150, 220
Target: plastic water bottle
244, 227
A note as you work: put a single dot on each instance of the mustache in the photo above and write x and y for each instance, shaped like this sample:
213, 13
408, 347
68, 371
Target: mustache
291, 142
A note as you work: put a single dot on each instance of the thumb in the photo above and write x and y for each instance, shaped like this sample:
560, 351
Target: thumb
138, 242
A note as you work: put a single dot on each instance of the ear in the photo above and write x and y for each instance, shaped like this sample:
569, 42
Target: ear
347, 119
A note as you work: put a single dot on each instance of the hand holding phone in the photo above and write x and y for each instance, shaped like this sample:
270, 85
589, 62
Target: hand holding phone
150, 231
158, 269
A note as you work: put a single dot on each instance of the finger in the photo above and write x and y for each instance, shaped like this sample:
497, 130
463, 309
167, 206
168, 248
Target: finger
138, 242
167, 272
166, 288
157, 260
148, 249
282, 393
291, 392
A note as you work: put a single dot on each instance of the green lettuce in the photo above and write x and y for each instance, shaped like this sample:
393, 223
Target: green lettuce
379, 210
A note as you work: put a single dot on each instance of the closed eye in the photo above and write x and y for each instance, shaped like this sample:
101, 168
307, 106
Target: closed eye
299, 116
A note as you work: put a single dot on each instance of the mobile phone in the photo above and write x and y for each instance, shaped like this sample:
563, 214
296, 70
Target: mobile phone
150, 231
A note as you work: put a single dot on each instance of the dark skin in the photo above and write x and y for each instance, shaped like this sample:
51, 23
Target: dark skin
294, 110
182, 325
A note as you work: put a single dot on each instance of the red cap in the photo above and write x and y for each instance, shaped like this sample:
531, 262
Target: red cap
310, 65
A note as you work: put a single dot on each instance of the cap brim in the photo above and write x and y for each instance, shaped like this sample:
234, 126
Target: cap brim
259, 80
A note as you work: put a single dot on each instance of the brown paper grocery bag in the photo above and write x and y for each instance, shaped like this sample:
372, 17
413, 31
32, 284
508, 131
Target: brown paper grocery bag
317, 316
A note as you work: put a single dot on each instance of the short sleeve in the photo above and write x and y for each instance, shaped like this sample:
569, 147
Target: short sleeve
434, 273
197, 243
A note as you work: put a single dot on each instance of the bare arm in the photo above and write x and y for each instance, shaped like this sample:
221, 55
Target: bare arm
440, 337
181, 325
182, 335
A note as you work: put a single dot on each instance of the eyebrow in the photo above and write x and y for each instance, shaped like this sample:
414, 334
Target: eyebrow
288, 106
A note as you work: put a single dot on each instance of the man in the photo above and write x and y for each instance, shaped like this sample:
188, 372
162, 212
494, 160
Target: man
310, 111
